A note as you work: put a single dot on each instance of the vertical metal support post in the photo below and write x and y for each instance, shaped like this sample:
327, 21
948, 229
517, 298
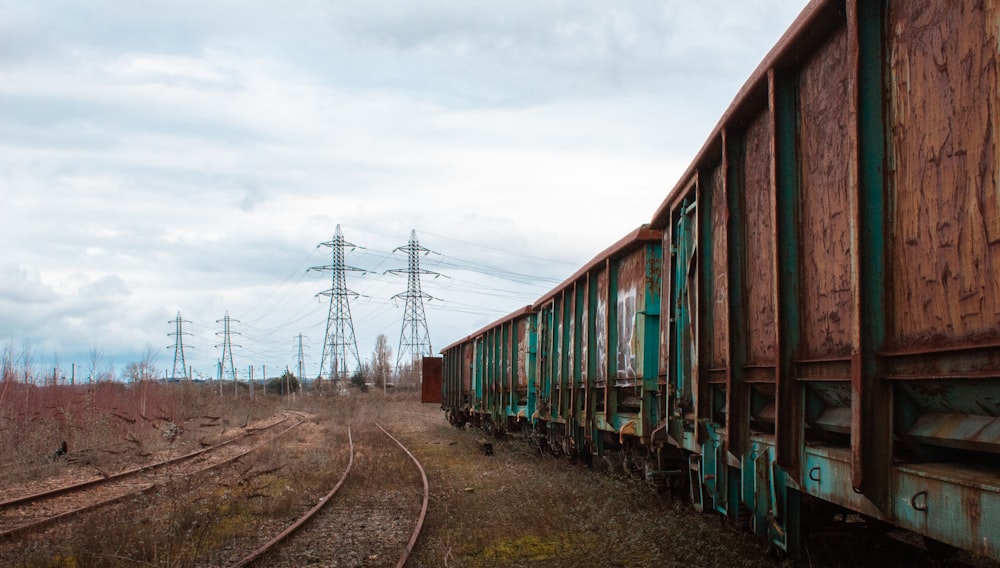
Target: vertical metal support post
529, 366
591, 374
790, 404
871, 402
506, 371
579, 292
479, 346
651, 335
566, 376
515, 366
737, 393
610, 392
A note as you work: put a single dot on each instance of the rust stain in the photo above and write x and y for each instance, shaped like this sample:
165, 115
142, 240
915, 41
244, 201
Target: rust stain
601, 327
630, 301
944, 92
719, 306
759, 204
826, 143
523, 348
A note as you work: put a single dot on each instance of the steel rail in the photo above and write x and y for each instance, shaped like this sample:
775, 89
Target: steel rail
147, 488
27, 499
264, 549
423, 507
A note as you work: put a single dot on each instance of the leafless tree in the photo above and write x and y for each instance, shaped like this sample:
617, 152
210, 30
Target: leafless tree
143, 369
96, 359
100, 368
381, 361
27, 362
8, 361
55, 369
408, 375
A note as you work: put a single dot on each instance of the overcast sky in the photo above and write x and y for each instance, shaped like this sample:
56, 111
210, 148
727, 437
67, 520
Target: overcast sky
158, 157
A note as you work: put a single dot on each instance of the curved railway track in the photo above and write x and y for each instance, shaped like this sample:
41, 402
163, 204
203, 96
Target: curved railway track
29, 513
327, 526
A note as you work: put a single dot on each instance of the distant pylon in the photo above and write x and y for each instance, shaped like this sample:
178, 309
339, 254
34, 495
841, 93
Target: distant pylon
339, 341
301, 360
227, 370
179, 347
413, 337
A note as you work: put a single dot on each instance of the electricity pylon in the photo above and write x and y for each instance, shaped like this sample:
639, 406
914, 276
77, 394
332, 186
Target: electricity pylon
179, 347
301, 368
226, 363
339, 341
413, 337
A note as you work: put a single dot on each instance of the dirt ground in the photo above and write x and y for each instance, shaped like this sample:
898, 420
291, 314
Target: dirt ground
520, 508
516, 507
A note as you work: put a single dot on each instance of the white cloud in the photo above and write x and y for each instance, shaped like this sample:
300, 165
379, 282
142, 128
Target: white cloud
167, 156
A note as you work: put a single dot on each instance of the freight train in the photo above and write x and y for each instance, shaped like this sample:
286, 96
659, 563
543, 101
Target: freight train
808, 327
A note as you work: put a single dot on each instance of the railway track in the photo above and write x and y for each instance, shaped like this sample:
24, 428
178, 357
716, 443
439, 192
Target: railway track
375, 511
22, 515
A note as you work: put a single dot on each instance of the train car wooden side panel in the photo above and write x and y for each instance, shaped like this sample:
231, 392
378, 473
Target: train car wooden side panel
943, 337
853, 347
598, 344
946, 211
811, 318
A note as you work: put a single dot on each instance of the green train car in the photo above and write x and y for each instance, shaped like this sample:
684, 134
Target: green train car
809, 324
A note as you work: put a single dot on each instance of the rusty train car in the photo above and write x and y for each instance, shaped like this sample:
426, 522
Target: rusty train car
809, 324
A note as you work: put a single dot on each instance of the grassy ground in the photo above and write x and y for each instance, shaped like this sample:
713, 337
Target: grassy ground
518, 508
513, 508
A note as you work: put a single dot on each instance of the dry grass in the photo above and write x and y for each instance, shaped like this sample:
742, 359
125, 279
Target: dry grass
109, 426
518, 508
213, 521
515, 508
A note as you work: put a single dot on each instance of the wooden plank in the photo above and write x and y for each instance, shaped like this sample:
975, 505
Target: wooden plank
946, 250
718, 308
826, 143
759, 216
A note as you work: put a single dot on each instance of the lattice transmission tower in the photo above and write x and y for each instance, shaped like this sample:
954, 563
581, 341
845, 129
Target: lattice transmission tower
227, 370
179, 360
302, 366
339, 342
414, 338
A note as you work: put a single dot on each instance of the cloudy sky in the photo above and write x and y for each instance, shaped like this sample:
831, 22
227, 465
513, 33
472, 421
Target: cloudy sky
173, 156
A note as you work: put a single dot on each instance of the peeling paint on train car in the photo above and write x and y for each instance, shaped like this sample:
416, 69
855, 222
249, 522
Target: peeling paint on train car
601, 328
826, 142
629, 299
945, 153
524, 351
718, 308
759, 210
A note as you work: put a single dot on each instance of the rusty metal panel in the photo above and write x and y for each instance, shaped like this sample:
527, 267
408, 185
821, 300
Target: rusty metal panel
601, 324
585, 330
826, 143
944, 95
430, 379
718, 308
629, 301
952, 503
468, 363
570, 317
666, 293
759, 215
523, 350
